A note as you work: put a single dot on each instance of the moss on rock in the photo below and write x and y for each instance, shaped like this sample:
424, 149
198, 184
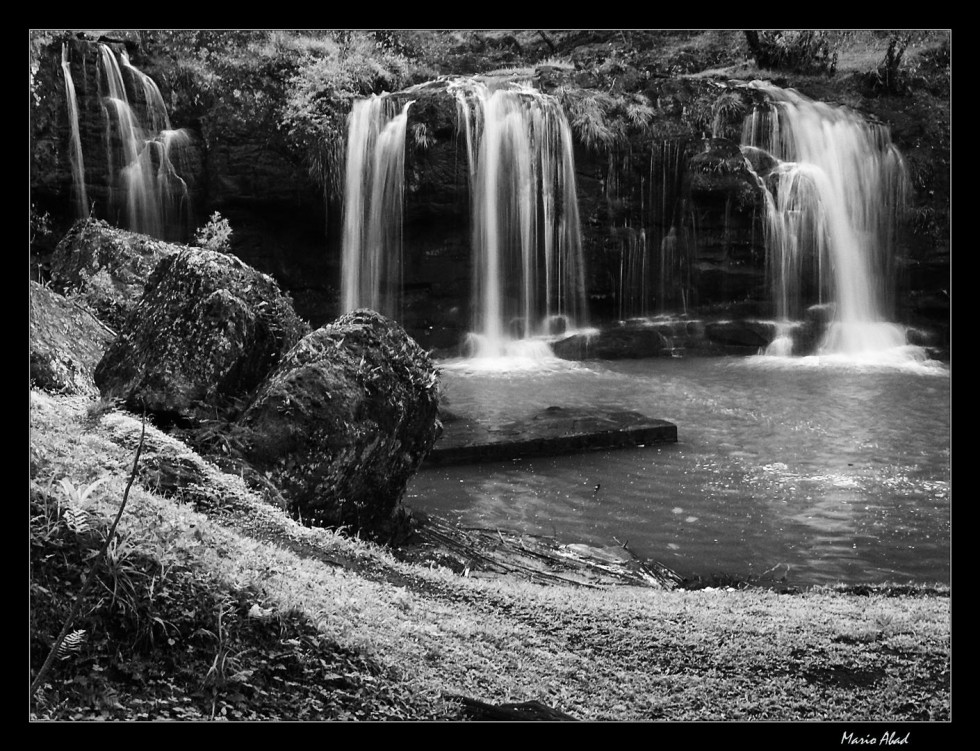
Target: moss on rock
344, 422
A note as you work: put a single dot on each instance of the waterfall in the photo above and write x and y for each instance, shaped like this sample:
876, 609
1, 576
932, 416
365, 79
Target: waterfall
836, 197
528, 269
373, 206
75, 148
634, 276
674, 263
145, 186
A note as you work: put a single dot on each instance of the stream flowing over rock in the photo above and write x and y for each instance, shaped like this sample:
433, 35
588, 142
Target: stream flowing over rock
344, 422
206, 332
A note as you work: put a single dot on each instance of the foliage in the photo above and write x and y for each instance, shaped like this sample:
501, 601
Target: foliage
900, 72
729, 112
889, 75
294, 85
329, 75
41, 224
39, 41
602, 120
800, 51
421, 137
215, 235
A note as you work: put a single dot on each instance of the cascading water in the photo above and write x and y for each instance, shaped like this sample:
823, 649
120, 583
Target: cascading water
373, 206
75, 148
528, 269
634, 276
839, 189
146, 188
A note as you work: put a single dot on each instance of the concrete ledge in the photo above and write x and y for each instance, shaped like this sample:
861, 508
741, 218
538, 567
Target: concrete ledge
554, 431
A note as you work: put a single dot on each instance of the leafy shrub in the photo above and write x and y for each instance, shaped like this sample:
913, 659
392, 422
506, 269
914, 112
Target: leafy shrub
799, 51
604, 121
41, 224
899, 73
215, 235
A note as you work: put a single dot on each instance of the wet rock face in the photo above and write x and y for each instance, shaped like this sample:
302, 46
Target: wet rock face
344, 421
206, 332
66, 343
106, 267
613, 344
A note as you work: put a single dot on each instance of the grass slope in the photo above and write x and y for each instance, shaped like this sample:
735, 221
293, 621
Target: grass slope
214, 604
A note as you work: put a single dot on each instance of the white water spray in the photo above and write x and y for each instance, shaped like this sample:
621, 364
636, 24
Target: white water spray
528, 267
141, 152
840, 189
75, 148
373, 206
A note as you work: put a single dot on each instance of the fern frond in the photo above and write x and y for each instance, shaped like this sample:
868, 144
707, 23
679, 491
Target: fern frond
72, 644
78, 519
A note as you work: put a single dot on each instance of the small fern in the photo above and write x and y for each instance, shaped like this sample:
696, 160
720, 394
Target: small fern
72, 644
420, 134
74, 512
79, 520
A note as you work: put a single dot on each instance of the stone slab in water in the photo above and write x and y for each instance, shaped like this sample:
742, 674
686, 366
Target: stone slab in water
550, 432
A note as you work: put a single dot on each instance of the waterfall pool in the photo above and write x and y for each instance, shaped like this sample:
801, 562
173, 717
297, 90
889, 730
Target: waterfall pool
816, 470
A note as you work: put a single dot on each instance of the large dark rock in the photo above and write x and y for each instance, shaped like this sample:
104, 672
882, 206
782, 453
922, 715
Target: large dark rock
555, 431
106, 267
344, 421
752, 335
207, 331
726, 198
613, 344
66, 343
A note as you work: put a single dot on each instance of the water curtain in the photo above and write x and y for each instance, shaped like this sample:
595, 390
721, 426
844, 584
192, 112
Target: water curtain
75, 147
373, 206
143, 151
528, 270
835, 200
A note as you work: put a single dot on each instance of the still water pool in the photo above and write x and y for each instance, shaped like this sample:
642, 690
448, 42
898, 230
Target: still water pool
813, 469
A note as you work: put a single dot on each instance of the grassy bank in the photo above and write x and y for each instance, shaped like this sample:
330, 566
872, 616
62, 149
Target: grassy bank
214, 604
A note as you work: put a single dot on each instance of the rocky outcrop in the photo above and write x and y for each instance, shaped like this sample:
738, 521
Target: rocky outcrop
727, 199
613, 344
750, 335
344, 421
206, 332
106, 267
66, 343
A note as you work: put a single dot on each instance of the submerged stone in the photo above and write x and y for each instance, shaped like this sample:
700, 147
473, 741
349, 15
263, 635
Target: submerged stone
552, 431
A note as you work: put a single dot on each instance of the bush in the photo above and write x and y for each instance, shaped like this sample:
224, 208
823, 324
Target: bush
802, 51
901, 73
215, 235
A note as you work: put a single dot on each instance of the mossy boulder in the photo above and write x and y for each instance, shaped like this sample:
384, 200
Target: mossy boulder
66, 343
207, 331
344, 422
106, 267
